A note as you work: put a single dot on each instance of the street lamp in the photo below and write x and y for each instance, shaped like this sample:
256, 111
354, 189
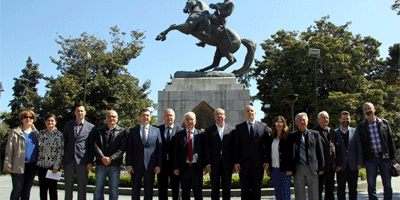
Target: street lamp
291, 99
112, 101
315, 53
1, 88
87, 57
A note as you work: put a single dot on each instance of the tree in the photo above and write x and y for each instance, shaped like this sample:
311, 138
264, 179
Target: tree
106, 76
396, 6
346, 65
25, 92
391, 70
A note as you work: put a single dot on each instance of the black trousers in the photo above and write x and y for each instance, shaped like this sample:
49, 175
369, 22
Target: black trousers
350, 177
148, 181
251, 181
47, 185
221, 178
192, 178
326, 180
162, 178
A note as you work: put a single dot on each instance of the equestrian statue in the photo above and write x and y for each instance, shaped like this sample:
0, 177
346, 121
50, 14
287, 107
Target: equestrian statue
210, 29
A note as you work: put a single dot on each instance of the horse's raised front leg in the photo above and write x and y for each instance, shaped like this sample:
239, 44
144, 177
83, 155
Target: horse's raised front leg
180, 27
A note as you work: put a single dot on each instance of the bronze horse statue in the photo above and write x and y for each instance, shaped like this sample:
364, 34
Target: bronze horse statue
225, 39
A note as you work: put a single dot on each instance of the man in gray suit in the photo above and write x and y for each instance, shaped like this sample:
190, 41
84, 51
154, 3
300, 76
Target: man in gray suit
307, 159
78, 152
143, 155
349, 157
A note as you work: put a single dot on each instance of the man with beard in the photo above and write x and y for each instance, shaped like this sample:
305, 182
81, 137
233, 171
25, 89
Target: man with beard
379, 151
349, 157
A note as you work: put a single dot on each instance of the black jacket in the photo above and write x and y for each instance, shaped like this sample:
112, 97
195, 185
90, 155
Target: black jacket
115, 150
328, 144
386, 137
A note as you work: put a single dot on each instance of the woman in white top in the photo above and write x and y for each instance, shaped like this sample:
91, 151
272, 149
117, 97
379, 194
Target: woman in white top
277, 158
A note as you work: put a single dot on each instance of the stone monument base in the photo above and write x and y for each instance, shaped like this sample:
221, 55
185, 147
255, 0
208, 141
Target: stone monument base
202, 96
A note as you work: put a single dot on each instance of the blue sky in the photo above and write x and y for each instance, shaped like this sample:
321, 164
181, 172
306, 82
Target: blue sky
30, 27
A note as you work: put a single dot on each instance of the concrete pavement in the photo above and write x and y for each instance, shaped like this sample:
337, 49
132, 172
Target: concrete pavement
6, 187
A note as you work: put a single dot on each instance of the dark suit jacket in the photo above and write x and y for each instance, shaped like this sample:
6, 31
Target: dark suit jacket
352, 154
315, 153
181, 150
116, 148
328, 145
214, 146
168, 147
137, 154
81, 145
284, 154
386, 137
251, 151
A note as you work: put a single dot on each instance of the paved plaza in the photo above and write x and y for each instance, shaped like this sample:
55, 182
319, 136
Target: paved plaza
6, 186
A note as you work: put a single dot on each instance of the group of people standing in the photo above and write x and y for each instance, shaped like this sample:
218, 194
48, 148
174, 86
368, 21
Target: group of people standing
184, 155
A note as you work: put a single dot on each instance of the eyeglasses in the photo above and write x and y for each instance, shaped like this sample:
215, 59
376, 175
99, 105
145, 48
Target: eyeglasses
26, 117
112, 117
279, 123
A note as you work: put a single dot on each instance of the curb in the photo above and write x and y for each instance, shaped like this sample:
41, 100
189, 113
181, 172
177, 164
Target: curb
206, 192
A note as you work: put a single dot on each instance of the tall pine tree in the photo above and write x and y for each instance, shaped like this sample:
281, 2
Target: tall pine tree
25, 92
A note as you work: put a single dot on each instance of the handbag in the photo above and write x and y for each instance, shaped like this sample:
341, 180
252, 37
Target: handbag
395, 169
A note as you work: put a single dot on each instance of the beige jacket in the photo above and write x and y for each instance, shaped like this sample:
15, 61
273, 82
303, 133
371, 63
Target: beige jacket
15, 151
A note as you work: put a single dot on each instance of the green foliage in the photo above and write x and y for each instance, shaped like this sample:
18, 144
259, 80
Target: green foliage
125, 181
362, 173
106, 76
25, 93
396, 6
344, 70
4, 129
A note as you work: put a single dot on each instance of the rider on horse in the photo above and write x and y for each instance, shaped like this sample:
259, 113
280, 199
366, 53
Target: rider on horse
222, 11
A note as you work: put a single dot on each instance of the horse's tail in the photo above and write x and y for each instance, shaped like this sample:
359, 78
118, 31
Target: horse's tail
251, 46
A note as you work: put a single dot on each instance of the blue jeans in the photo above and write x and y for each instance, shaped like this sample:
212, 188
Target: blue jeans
372, 166
281, 183
113, 174
22, 183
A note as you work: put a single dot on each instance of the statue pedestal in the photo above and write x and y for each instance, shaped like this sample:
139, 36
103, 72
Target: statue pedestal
202, 96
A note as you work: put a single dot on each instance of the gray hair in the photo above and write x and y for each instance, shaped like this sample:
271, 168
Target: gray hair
323, 113
215, 111
190, 113
369, 105
300, 114
169, 109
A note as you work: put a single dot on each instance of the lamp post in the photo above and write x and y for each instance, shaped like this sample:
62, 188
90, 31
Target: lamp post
291, 99
1, 88
87, 57
315, 53
266, 107
112, 101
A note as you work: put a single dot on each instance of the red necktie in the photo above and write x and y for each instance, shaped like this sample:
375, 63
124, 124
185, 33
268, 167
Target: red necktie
190, 155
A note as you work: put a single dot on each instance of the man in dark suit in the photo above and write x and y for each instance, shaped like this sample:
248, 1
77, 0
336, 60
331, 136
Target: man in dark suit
78, 152
109, 147
188, 158
143, 155
349, 157
328, 140
168, 131
378, 149
218, 155
250, 146
307, 159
